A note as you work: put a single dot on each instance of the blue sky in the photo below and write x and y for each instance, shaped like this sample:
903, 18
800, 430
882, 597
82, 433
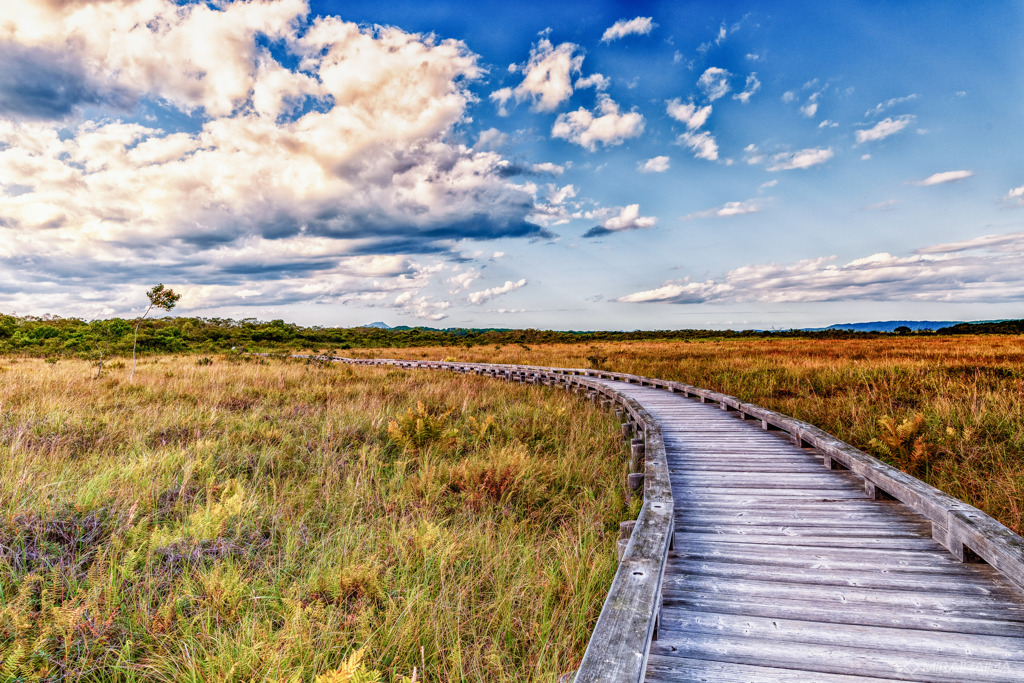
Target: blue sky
530, 164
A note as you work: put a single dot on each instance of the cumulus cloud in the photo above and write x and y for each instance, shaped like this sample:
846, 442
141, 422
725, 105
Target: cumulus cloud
628, 218
295, 171
984, 269
658, 164
884, 128
752, 86
490, 139
689, 113
944, 177
714, 82
557, 207
608, 127
423, 307
702, 143
39, 83
640, 26
487, 294
547, 76
1015, 196
729, 209
805, 158
596, 81
462, 279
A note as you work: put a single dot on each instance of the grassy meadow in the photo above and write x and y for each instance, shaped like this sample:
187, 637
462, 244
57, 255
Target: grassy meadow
947, 409
235, 519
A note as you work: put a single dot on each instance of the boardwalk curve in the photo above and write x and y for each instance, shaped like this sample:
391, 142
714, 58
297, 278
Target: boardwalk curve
769, 550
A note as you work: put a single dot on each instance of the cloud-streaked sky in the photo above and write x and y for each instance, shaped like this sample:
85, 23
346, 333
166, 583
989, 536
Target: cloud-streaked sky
532, 164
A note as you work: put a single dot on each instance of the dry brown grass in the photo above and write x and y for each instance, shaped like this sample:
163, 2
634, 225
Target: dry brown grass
266, 520
949, 410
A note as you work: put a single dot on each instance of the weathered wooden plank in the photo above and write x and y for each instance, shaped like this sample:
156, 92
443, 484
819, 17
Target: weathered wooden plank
816, 541
846, 596
822, 506
745, 495
879, 615
822, 557
723, 532
839, 660
676, 669
689, 620
982, 580
800, 517
684, 466
798, 480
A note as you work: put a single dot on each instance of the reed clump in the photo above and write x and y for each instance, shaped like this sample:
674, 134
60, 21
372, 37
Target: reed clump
273, 519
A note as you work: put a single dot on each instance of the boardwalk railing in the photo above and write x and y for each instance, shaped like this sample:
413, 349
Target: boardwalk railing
619, 646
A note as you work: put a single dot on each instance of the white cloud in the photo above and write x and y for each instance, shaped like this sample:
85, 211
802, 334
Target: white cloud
627, 27
422, 307
681, 292
547, 76
628, 218
490, 140
658, 164
805, 158
730, 209
884, 128
809, 109
194, 56
608, 128
751, 87
597, 81
295, 174
888, 104
557, 207
985, 269
548, 168
461, 281
1015, 196
693, 116
828, 123
789, 96
702, 143
714, 82
944, 177
488, 294
558, 195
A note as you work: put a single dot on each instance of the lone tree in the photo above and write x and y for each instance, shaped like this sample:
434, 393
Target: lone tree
160, 297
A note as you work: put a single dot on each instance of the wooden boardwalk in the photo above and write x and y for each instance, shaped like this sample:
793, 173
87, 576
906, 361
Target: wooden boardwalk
784, 570
763, 556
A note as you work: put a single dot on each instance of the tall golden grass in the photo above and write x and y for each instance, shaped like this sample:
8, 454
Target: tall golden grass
279, 520
947, 409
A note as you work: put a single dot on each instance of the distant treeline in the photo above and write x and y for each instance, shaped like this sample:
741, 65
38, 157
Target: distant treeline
54, 336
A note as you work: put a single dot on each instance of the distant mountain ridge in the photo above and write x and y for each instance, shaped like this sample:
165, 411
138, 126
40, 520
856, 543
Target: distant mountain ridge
890, 325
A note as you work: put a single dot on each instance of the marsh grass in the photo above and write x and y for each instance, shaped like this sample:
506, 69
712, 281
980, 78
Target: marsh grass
271, 519
947, 409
